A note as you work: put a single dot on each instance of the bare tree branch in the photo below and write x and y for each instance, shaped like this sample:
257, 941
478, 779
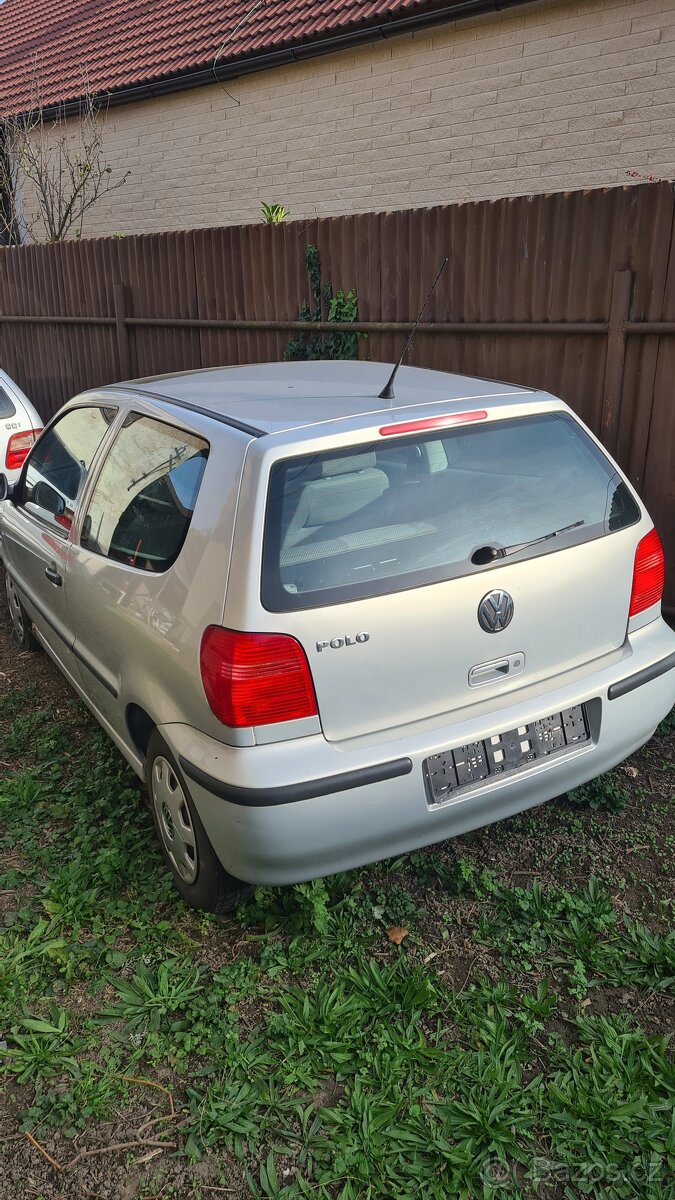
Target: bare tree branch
53, 170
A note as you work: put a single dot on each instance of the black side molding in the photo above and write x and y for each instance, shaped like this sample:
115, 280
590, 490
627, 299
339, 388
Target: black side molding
631, 682
291, 793
222, 418
92, 670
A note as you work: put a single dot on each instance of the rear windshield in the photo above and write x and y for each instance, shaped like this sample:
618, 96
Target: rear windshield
388, 516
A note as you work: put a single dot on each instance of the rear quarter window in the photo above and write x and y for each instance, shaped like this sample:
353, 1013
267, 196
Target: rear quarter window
142, 504
7, 405
384, 517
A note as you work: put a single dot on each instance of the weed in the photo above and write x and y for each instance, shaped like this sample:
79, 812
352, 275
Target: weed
579, 932
273, 214
72, 1104
459, 877
152, 995
604, 792
339, 307
31, 958
606, 1104
43, 1050
395, 906
578, 980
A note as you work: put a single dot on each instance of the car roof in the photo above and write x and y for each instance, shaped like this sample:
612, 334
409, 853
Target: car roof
276, 397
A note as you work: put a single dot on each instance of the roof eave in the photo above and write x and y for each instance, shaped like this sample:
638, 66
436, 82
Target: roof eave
266, 60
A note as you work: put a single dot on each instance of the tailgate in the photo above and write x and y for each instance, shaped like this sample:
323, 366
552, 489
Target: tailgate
430, 572
427, 654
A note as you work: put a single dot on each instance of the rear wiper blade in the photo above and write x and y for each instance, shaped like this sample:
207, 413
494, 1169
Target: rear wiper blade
487, 554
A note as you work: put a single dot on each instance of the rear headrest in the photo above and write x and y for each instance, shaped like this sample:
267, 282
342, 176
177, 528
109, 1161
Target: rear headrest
307, 471
436, 456
347, 465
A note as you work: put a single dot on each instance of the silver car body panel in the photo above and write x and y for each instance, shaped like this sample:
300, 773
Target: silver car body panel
129, 639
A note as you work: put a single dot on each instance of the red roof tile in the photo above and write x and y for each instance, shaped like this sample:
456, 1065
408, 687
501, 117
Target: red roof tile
120, 43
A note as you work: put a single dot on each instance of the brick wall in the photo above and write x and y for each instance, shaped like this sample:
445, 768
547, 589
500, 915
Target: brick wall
549, 96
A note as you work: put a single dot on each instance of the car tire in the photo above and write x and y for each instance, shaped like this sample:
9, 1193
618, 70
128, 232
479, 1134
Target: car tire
196, 870
20, 625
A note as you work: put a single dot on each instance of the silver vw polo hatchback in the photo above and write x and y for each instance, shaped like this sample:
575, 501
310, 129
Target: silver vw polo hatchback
327, 628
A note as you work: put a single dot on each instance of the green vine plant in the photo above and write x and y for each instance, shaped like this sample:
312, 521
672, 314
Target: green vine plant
341, 307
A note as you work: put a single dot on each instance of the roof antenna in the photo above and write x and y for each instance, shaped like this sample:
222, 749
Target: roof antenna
387, 392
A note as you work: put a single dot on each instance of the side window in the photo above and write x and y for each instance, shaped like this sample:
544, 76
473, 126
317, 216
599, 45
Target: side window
7, 405
141, 507
56, 469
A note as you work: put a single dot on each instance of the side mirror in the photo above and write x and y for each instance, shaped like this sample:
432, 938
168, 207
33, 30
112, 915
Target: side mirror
45, 496
6, 488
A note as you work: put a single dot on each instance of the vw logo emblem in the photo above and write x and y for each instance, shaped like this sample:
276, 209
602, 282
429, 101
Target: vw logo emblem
495, 611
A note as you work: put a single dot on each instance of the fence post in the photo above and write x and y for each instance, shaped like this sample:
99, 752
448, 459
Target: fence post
619, 313
122, 331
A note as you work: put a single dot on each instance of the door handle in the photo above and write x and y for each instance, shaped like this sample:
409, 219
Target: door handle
53, 575
511, 664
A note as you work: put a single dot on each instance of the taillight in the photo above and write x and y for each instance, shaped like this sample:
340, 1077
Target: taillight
18, 446
255, 678
648, 574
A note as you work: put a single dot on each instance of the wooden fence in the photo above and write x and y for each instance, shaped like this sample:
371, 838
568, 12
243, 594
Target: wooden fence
573, 292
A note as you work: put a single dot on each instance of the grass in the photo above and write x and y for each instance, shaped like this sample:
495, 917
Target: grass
512, 1044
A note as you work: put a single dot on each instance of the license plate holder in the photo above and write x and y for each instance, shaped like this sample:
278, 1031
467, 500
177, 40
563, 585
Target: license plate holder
504, 753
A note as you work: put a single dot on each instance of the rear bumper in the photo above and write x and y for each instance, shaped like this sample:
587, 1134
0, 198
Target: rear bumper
296, 810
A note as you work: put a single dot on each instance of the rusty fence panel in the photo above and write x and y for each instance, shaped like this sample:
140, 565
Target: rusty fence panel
572, 292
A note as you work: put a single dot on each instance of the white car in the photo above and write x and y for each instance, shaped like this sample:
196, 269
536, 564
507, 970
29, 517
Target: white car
19, 427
